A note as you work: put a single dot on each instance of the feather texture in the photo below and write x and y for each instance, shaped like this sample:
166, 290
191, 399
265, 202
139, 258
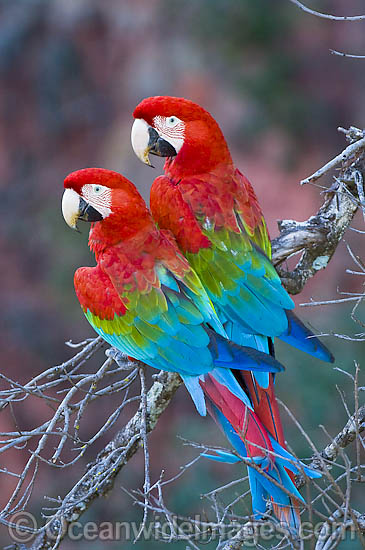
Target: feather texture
213, 212
144, 298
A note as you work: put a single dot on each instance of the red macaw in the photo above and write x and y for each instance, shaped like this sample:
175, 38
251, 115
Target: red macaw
213, 212
144, 298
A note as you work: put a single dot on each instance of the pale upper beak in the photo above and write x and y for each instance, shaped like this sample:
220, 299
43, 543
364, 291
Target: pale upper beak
140, 139
146, 140
75, 208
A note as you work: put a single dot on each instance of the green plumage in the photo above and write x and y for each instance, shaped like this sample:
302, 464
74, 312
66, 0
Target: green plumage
164, 323
241, 280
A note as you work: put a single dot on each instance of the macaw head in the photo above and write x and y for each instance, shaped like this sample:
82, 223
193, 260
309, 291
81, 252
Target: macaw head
181, 130
99, 195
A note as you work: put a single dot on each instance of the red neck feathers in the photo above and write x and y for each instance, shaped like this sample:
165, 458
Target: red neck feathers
203, 151
130, 230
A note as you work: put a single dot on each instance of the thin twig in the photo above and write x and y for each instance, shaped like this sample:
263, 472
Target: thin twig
144, 441
343, 54
327, 15
339, 159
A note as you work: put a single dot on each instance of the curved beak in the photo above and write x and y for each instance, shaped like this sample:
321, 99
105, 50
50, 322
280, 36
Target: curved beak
146, 140
75, 208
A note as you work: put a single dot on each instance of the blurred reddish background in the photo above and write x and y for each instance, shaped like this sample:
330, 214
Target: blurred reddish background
71, 74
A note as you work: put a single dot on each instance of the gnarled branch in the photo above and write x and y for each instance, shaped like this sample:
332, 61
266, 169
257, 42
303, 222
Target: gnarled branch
317, 238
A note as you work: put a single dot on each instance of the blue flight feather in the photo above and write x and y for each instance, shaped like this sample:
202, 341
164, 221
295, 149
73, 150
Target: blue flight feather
278, 449
226, 378
299, 336
196, 392
222, 456
230, 355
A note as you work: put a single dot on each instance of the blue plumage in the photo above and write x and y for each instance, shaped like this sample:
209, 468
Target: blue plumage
274, 465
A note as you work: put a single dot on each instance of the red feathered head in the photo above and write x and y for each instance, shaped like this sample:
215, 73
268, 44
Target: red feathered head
179, 129
96, 194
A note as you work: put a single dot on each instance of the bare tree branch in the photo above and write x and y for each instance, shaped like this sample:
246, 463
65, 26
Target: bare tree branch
317, 238
245, 533
330, 538
339, 159
347, 435
352, 429
343, 54
100, 475
327, 15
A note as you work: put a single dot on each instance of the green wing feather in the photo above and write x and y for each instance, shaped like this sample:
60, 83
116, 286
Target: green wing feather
157, 336
160, 322
242, 282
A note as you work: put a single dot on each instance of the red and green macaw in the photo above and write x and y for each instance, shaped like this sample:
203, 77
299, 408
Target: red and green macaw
214, 215
145, 299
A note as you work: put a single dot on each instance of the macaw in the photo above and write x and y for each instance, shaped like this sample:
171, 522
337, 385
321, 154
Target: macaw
214, 215
145, 299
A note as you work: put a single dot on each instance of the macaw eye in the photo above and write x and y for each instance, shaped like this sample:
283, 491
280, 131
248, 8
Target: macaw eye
99, 196
172, 121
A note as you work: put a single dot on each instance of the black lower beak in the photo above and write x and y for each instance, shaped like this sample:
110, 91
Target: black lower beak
88, 213
159, 146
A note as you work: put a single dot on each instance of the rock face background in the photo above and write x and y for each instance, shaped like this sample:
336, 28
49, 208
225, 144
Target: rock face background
70, 75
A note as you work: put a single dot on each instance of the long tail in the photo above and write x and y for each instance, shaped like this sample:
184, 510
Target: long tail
266, 408
256, 442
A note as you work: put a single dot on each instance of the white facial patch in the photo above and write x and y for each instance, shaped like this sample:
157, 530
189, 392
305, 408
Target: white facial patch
99, 197
140, 138
70, 207
171, 129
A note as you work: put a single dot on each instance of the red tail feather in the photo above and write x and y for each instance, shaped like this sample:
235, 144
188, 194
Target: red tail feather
265, 406
245, 421
289, 516
254, 427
